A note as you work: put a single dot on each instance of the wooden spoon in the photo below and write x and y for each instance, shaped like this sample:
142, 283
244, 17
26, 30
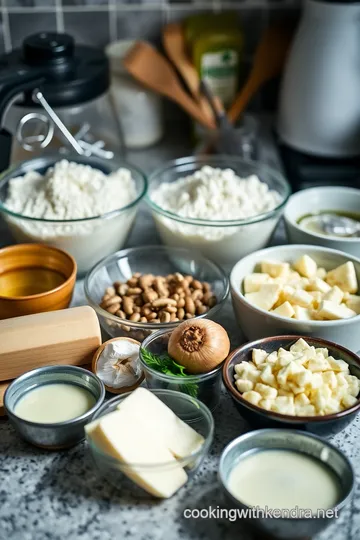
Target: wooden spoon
175, 47
268, 62
153, 70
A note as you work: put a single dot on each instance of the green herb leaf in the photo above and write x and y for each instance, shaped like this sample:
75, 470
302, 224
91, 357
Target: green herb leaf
165, 364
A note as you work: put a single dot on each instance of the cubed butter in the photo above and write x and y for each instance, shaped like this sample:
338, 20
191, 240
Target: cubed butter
275, 268
343, 276
253, 282
306, 266
266, 297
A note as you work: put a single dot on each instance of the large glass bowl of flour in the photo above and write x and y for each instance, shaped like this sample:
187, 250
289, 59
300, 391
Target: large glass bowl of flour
222, 206
85, 206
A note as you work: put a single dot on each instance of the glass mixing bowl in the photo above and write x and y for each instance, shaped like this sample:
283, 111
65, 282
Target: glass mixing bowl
190, 410
87, 240
225, 241
157, 260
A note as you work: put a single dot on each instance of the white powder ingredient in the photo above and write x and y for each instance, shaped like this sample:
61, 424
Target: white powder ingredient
70, 191
216, 194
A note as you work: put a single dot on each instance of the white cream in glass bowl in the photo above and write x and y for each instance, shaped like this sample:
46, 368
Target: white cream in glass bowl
223, 207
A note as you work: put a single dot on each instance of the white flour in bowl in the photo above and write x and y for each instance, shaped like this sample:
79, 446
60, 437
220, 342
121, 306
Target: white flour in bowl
216, 194
71, 191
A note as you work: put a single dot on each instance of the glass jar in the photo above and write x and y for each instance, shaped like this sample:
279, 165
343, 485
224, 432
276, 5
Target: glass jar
139, 110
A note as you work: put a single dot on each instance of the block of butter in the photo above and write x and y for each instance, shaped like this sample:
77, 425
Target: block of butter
143, 430
70, 336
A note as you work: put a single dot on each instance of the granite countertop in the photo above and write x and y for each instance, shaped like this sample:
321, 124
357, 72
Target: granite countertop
59, 495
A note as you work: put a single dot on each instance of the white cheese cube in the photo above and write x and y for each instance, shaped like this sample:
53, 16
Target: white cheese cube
252, 397
287, 372
244, 385
343, 276
353, 385
258, 356
332, 312
317, 298
341, 381
349, 401
332, 406
318, 364
317, 284
301, 298
335, 295
306, 410
266, 404
266, 391
285, 391
302, 314
275, 268
120, 437
301, 400
266, 297
323, 352
319, 397
267, 377
285, 310
143, 406
316, 381
253, 282
272, 357
302, 378
299, 346
284, 405
284, 358
338, 365
286, 294
306, 266
321, 273
353, 302
330, 379
295, 389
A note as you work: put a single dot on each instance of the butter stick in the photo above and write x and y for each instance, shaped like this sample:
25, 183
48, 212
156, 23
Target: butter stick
70, 336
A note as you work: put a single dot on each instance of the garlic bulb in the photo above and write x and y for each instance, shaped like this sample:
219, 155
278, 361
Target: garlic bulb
118, 364
199, 345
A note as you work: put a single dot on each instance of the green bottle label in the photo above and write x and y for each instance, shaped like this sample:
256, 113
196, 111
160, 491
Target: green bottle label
220, 71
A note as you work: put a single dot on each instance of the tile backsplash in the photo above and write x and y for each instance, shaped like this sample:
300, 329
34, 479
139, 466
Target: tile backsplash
97, 22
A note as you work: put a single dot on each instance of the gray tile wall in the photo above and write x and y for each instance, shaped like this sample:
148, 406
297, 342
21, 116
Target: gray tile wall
97, 22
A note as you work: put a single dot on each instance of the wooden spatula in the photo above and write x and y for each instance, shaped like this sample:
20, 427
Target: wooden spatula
268, 62
153, 70
175, 47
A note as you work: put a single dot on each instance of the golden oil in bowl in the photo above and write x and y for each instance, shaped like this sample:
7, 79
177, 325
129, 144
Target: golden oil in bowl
29, 281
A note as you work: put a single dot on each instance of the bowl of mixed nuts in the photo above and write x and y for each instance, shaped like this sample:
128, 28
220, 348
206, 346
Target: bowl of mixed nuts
138, 291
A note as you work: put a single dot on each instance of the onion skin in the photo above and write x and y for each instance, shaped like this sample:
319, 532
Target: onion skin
199, 345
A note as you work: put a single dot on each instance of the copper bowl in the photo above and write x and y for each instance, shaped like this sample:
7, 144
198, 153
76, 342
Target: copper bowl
260, 418
35, 278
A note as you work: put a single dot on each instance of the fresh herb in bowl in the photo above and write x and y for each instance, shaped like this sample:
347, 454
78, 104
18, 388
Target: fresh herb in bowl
165, 364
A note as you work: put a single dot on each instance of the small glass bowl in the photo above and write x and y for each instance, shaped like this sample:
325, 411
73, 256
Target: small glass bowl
223, 241
205, 386
189, 409
158, 260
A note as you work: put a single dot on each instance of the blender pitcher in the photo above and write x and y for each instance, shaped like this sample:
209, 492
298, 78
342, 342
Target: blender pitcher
54, 95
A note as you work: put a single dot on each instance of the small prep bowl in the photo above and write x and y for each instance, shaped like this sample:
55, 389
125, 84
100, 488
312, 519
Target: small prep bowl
190, 410
305, 444
158, 260
61, 434
321, 199
226, 241
88, 240
257, 323
260, 418
18, 262
204, 386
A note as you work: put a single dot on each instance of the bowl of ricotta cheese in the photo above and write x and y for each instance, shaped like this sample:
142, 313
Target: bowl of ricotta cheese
83, 205
222, 206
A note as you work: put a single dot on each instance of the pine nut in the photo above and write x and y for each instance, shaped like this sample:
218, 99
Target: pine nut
135, 317
162, 302
113, 308
180, 313
189, 305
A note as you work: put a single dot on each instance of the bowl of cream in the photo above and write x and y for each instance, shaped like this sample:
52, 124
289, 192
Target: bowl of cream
50, 406
287, 483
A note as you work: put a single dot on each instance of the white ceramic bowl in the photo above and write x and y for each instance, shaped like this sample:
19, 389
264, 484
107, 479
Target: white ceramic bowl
257, 323
320, 199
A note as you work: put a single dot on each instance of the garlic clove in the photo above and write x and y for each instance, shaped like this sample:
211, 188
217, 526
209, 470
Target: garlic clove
117, 364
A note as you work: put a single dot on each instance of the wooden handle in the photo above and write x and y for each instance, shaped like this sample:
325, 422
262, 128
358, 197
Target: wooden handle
242, 100
192, 108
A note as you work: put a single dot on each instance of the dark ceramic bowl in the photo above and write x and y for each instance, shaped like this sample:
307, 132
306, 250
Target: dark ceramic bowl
260, 418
